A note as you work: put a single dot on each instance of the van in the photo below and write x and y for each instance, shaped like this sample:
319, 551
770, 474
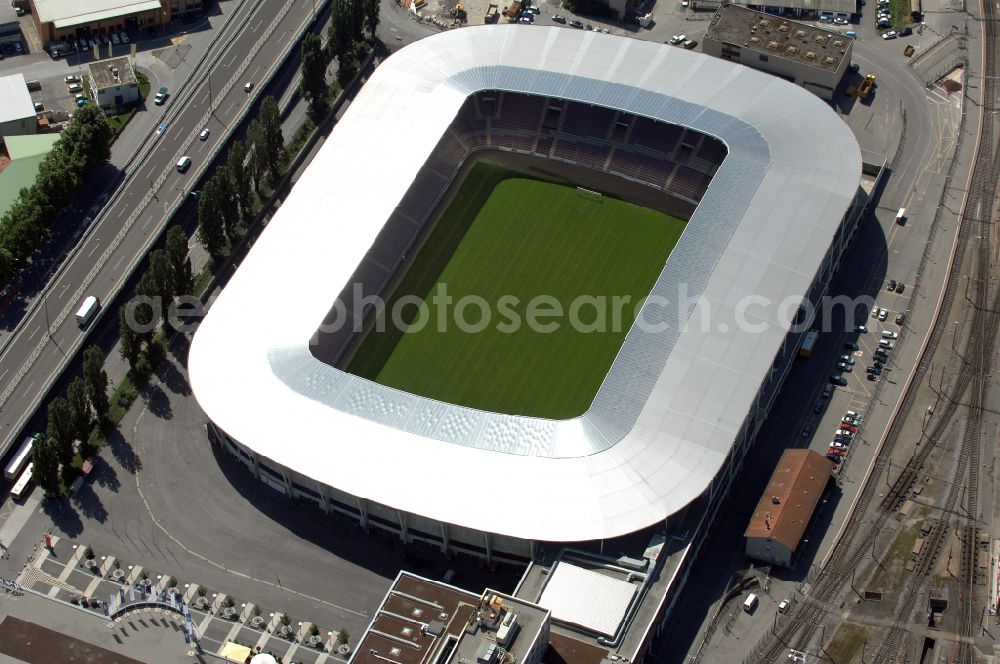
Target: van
750, 603
183, 164
827, 391
901, 216
87, 310
34, 86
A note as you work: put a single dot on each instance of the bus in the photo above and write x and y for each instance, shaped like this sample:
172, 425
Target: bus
21, 459
23, 483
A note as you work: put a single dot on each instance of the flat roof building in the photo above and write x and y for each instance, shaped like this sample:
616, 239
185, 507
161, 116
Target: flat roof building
787, 506
26, 154
114, 84
422, 621
812, 57
17, 112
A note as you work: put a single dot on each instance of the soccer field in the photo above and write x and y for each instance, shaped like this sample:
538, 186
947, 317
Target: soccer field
506, 241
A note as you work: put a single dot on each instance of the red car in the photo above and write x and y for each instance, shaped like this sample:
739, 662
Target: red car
848, 427
837, 451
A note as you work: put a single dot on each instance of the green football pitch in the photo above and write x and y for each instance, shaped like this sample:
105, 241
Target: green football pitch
504, 243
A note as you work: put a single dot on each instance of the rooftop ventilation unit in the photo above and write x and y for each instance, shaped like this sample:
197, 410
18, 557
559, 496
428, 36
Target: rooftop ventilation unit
829, 60
791, 50
800, 34
810, 55
755, 40
773, 45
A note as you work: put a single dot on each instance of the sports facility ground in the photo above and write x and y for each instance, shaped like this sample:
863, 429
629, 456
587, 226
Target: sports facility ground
509, 239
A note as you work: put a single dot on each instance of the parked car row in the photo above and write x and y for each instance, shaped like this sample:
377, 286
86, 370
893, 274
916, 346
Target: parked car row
682, 40
844, 436
79, 44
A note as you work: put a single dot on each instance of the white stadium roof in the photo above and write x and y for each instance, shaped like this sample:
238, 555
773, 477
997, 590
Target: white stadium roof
671, 407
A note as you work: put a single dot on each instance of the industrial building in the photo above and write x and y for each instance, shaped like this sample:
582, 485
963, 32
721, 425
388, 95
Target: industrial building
17, 112
114, 84
58, 20
10, 27
815, 58
421, 621
26, 154
787, 506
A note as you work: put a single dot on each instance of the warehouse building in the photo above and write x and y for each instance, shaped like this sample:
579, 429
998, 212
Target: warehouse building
787, 506
814, 58
17, 112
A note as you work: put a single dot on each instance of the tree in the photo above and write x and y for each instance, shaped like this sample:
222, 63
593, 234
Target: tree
313, 86
372, 9
274, 141
131, 341
60, 429
97, 381
357, 15
80, 412
340, 39
160, 273
181, 272
211, 228
240, 174
45, 471
88, 137
229, 203
258, 158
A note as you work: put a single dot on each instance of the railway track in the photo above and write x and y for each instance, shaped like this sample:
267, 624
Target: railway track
800, 627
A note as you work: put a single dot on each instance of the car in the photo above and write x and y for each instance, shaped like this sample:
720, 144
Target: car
891, 286
861, 329
18, 48
838, 380
833, 457
589, 27
576, 24
807, 431
19, 11
80, 103
885, 343
843, 433
84, 44
836, 451
842, 440
71, 78
838, 446
883, 314
850, 345
677, 39
818, 408
534, 9
114, 38
558, 18
162, 127
900, 317
75, 87
849, 420
855, 414
248, 86
685, 3
875, 311
880, 359
847, 359
843, 366
871, 376
524, 20
161, 96
889, 35
837, 20
124, 37
38, 106
883, 23
855, 68
689, 44
900, 287
874, 370
889, 334
844, 426
906, 32
203, 136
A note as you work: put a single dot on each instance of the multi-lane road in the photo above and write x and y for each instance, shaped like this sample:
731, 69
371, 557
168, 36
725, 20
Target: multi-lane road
249, 48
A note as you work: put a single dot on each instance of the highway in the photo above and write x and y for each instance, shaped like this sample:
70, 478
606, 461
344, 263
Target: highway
251, 47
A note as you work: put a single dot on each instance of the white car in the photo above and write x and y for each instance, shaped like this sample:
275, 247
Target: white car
883, 314
889, 334
203, 136
114, 38
677, 39
889, 35
75, 87
783, 606
124, 37
839, 21
71, 78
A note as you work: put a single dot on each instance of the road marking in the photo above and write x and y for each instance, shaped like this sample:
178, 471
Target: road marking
96, 246
257, 27
37, 330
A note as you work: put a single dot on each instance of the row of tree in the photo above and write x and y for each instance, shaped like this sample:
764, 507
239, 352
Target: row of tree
228, 197
70, 421
83, 146
169, 276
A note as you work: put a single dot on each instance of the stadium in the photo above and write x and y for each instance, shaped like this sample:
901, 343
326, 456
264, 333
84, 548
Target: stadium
744, 191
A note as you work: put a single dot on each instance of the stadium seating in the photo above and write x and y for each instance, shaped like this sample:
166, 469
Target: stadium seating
587, 121
689, 183
658, 136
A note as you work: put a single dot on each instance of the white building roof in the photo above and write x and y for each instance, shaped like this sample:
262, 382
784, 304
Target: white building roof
671, 407
67, 13
586, 598
17, 103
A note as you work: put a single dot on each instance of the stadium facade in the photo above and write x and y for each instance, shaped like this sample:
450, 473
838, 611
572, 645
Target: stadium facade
672, 422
